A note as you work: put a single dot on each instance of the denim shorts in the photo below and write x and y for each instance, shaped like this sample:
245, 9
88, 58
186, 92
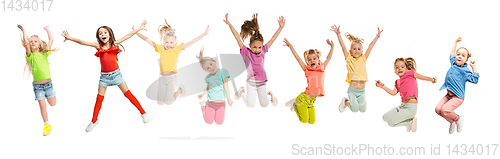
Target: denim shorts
44, 91
109, 79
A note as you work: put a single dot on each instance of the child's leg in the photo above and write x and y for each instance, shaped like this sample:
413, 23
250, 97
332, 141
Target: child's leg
50, 94
449, 107
43, 110
98, 103
353, 101
362, 101
390, 113
249, 95
166, 90
220, 113
123, 87
403, 115
264, 99
439, 106
312, 114
208, 113
162, 90
301, 108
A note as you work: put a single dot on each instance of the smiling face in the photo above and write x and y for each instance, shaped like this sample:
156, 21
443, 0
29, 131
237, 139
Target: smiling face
312, 60
35, 43
210, 66
461, 56
169, 42
400, 68
256, 46
103, 35
356, 49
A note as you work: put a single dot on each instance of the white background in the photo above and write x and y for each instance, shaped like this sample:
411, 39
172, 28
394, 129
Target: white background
424, 30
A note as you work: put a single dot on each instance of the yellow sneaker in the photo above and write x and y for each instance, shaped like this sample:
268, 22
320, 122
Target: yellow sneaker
46, 129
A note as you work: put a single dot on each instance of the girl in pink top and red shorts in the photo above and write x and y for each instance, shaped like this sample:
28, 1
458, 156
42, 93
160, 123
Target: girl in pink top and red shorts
406, 85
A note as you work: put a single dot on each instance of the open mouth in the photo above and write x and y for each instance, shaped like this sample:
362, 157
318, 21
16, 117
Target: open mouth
104, 38
313, 64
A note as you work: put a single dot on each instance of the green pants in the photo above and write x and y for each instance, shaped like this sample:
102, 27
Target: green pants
305, 108
357, 99
402, 115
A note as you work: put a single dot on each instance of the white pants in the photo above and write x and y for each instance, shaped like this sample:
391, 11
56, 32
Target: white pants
166, 89
259, 88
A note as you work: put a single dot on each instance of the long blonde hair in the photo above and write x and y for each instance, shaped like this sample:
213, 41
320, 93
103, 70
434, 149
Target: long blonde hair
43, 50
166, 30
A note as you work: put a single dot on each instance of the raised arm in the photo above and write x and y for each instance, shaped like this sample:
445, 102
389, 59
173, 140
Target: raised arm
186, 45
281, 22
228, 94
329, 57
386, 89
370, 47
235, 33
26, 41
454, 48
337, 31
425, 78
146, 39
51, 38
297, 57
66, 36
129, 35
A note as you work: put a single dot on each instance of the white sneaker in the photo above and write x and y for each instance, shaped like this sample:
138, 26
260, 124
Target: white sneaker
145, 118
413, 125
342, 105
91, 126
182, 89
460, 124
452, 127
290, 102
408, 128
238, 93
293, 107
274, 100
203, 103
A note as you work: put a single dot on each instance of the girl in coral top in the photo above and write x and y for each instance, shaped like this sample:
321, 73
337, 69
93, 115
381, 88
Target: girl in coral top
253, 57
356, 71
107, 49
37, 52
406, 86
314, 70
169, 55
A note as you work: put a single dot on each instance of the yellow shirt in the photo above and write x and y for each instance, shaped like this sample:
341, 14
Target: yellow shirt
168, 58
356, 68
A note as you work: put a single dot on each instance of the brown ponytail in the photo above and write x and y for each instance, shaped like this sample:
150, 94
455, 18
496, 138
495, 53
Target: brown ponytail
251, 28
410, 63
166, 30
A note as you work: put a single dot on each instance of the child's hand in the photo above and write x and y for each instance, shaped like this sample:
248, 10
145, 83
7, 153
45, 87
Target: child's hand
46, 27
379, 31
330, 42
20, 27
200, 95
143, 25
65, 34
434, 81
472, 63
378, 83
335, 29
458, 39
287, 43
226, 20
230, 102
281, 21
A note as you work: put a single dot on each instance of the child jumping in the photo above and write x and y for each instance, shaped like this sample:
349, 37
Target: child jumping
406, 86
356, 70
169, 55
456, 77
314, 70
254, 61
217, 91
107, 50
37, 52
